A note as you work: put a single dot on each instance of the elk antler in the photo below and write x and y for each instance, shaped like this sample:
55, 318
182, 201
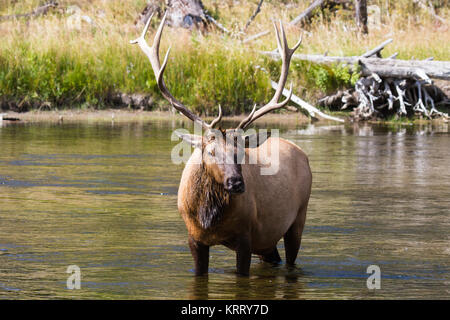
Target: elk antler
286, 54
153, 55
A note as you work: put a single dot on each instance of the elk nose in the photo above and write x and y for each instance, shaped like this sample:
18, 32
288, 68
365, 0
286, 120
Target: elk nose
235, 185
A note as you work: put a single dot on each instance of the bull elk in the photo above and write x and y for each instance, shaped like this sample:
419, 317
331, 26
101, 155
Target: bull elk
230, 202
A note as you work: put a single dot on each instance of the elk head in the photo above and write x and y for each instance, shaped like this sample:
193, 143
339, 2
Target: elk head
222, 150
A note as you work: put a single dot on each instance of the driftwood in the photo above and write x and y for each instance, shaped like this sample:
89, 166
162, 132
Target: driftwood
41, 10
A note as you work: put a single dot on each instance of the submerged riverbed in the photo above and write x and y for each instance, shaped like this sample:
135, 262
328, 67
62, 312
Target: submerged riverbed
103, 197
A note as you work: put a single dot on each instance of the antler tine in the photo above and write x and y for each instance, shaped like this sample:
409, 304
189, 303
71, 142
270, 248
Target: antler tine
144, 32
286, 55
216, 120
152, 54
247, 119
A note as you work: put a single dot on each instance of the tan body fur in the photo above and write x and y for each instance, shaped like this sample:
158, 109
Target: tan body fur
270, 205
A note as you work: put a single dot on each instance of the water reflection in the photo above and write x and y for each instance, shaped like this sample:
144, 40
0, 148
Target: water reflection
103, 197
269, 282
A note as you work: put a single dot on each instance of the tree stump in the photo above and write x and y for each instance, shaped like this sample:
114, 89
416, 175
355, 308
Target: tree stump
186, 14
361, 15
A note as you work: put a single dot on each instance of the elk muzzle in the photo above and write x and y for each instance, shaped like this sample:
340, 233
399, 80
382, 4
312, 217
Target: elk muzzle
235, 185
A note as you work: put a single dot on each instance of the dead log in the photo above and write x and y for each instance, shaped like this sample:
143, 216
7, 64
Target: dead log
375, 97
387, 86
393, 68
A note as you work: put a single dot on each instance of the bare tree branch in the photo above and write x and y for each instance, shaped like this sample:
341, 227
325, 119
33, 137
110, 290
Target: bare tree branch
377, 50
216, 23
256, 36
258, 9
307, 13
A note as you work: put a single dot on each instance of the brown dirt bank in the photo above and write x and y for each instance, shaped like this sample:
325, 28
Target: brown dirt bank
118, 115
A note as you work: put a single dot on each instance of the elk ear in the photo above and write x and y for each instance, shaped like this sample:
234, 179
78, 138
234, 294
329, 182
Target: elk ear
194, 140
256, 139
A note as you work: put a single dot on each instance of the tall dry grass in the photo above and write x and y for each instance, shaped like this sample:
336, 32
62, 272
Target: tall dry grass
64, 61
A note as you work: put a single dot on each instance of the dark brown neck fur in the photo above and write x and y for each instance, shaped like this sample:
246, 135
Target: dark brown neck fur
209, 199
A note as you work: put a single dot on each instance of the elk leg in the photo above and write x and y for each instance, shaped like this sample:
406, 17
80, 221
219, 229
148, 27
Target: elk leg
272, 257
291, 244
293, 237
200, 253
243, 256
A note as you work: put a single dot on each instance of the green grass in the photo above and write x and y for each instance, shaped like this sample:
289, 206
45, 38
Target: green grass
48, 61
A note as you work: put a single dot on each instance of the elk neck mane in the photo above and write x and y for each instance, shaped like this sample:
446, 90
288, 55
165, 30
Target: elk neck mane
208, 198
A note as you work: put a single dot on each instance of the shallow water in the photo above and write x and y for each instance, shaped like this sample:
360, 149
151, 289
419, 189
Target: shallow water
103, 197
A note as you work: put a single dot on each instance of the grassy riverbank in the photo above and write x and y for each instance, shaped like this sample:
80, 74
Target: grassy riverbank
60, 61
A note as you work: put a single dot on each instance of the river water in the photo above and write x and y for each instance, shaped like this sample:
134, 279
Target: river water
103, 197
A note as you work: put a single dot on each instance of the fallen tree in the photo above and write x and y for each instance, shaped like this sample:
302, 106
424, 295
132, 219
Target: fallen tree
376, 97
386, 86
411, 69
